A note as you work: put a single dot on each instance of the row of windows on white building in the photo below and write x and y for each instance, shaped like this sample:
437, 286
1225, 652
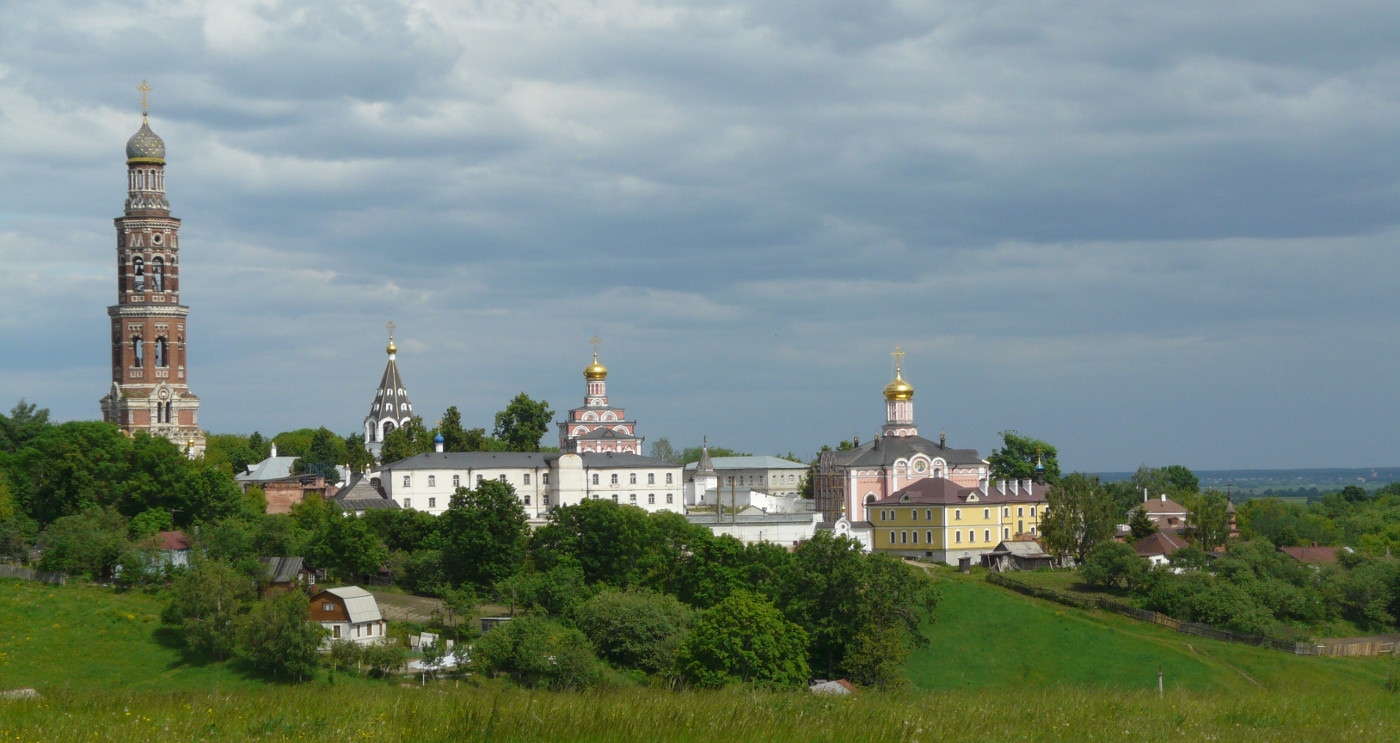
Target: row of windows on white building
957, 513
544, 479
544, 500
912, 537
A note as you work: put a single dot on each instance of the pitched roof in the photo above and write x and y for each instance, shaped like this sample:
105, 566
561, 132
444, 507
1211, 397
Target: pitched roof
391, 397
272, 468
460, 460
359, 603
1021, 548
361, 494
885, 450
1161, 504
282, 569
1162, 543
750, 463
1312, 554
942, 491
171, 540
705, 467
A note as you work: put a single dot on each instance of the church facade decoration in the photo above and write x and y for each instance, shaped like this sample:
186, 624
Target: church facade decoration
149, 324
598, 426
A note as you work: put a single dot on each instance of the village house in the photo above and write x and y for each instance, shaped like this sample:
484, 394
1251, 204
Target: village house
350, 613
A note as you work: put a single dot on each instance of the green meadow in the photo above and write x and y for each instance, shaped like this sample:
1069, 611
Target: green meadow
1000, 666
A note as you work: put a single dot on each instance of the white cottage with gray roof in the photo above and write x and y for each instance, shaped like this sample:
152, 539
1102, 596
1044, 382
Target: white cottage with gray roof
349, 613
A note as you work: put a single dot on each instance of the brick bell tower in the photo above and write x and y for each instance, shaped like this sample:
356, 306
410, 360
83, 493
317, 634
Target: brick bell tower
149, 389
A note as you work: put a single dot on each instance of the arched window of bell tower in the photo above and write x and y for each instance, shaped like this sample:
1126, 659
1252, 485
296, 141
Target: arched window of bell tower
162, 354
137, 357
138, 274
158, 274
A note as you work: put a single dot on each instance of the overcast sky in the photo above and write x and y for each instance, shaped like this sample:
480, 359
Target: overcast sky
1145, 232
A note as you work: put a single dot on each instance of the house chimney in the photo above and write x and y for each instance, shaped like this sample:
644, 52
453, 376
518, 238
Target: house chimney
1144, 495
274, 448
1163, 496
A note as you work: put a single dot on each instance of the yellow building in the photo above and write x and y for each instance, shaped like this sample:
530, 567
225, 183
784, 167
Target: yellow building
939, 519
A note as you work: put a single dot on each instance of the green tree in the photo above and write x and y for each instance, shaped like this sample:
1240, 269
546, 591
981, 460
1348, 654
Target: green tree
383, 659
483, 534
276, 635
612, 543
523, 423
1114, 564
537, 653
325, 451
637, 628
457, 438
692, 453
357, 457
461, 606
1142, 525
294, 443
92, 541
24, 423
1176, 481
345, 545
345, 654
408, 440
230, 453
555, 591
661, 449
1078, 515
1020, 457
1209, 519
206, 603
744, 639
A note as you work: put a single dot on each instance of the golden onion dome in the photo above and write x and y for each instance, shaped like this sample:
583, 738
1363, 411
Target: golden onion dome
595, 370
391, 348
899, 389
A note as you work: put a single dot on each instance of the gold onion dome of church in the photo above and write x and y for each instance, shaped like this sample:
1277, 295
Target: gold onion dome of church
595, 370
391, 349
144, 146
899, 389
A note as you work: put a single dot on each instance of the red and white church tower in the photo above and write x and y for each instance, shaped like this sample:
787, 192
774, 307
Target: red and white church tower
150, 391
598, 426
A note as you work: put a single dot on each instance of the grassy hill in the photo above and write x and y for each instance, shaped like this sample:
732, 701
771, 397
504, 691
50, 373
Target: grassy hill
1042, 671
988, 637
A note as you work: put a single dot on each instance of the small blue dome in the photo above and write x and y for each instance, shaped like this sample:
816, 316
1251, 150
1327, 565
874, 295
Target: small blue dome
437, 439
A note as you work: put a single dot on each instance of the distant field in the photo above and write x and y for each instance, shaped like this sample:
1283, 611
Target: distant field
985, 635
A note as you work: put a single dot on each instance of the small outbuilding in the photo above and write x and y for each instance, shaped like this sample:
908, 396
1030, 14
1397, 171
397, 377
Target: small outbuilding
1158, 547
1017, 555
350, 613
285, 573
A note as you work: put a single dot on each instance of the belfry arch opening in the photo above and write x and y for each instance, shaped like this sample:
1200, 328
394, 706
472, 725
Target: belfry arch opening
138, 273
137, 357
158, 274
162, 353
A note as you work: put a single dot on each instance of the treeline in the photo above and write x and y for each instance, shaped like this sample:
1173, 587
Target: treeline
1368, 521
654, 594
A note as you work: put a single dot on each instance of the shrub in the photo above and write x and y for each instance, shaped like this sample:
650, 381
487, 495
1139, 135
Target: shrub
1114, 564
745, 639
536, 652
636, 629
276, 636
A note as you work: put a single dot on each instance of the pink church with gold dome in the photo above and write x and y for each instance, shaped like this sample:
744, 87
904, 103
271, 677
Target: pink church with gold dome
598, 426
847, 481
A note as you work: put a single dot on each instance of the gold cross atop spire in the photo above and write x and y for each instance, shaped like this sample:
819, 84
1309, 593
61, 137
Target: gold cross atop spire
898, 360
391, 327
596, 340
145, 101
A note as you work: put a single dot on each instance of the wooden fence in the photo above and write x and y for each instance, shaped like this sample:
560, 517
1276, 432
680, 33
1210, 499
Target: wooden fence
1187, 628
54, 577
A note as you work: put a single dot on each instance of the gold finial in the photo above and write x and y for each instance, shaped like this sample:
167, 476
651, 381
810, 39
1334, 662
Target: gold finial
391, 348
898, 360
145, 102
899, 389
595, 370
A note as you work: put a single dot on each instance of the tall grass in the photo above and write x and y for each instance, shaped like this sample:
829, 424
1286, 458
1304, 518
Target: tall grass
498, 713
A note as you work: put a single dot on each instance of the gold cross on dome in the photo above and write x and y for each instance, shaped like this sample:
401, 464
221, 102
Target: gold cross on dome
898, 359
596, 340
391, 327
145, 91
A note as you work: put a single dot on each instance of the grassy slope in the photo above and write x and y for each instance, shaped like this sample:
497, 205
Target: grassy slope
84, 638
987, 636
